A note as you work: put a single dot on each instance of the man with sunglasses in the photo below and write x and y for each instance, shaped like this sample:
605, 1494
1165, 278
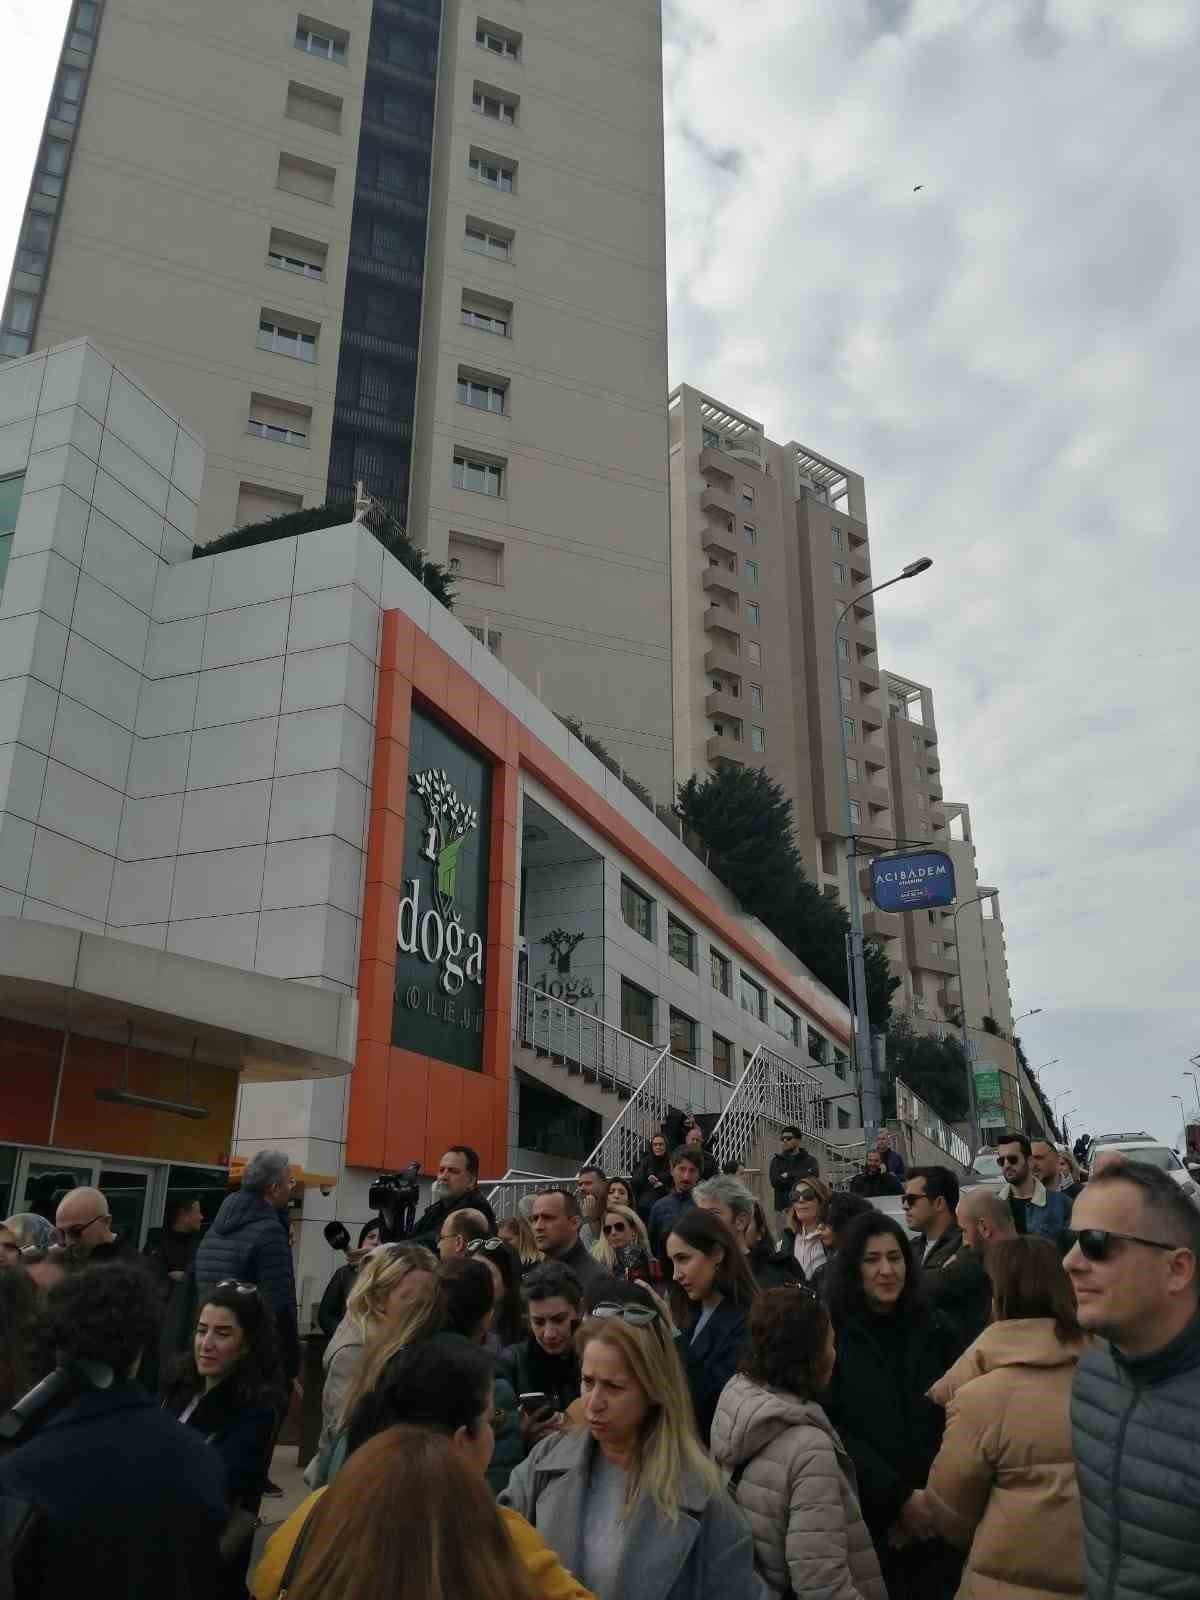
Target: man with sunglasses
1035, 1209
930, 1200
84, 1220
1134, 1262
786, 1170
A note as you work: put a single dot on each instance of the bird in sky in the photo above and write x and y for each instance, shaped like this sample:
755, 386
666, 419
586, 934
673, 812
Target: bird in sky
917, 186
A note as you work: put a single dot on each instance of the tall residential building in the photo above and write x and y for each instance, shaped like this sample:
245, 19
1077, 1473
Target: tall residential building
770, 543
416, 244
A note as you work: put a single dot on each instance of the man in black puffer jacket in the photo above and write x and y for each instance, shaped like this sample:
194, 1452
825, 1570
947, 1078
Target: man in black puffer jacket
1135, 1407
248, 1242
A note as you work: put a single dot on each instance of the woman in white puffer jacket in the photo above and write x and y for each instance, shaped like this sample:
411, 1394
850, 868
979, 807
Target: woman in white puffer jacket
787, 1467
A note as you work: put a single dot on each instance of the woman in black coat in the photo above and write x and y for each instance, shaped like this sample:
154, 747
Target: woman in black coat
652, 1176
229, 1390
711, 1292
890, 1349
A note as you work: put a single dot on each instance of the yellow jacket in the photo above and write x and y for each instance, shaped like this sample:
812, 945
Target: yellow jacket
555, 1581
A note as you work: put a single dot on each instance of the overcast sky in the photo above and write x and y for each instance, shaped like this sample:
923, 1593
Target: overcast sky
1009, 357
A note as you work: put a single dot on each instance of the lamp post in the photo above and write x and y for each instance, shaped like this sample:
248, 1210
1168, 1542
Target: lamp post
972, 1098
1036, 1012
860, 1036
1195, 1085
1182, 1119
1071, 1107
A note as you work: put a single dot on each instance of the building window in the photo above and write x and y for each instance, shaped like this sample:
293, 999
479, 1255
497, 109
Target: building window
848, 727
855, 813
494, 641
753, 998
637, 909
10, 503
922, 803
64, 106
747, 495
496, 174
489, 37
750, 568
330, 44
847, 688
709, 440
787, 1023
720, 973
293, 263
839, 572
83, 26
52, 167
756, 697
483, 477
286, 341
852, 769
843, 1118
483, 396
841, 1062
816, 1046
637, 1011
836, 535
275, 432
484, 321
482, 243
918, 772
843, 645
753, 614
481, 560
491, 103
683, 1037
722, 1057
749, 533
754, 652
681, 943
758, 739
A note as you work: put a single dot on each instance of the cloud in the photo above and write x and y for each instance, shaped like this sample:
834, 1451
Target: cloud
1009, 357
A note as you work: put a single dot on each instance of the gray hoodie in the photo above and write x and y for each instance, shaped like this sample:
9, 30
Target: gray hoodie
797, 1488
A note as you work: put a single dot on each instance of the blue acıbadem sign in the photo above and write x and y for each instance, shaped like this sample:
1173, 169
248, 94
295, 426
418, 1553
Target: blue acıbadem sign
910, 882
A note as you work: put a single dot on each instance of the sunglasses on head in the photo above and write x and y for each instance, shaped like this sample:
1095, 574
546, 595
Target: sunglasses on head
478, 1245
1096, 1244
237, 1285
635, 1316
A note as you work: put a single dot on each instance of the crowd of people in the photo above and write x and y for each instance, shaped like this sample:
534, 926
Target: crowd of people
634, 1387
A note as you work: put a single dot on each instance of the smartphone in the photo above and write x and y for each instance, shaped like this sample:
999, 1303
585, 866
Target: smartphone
535, 1400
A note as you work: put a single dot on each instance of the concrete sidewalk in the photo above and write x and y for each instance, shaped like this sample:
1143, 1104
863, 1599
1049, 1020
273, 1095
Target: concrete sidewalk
286, 1473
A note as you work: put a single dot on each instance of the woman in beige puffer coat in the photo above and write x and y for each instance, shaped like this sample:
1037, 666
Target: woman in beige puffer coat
791, 1476
1004, 1480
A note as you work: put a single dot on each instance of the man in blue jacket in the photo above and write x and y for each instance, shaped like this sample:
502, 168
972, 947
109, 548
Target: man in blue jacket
685, 1174
248, 1242
1035, 1209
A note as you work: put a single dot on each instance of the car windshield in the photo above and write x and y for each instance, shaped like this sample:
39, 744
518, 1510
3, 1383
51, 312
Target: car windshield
987, 1166
1154, 1156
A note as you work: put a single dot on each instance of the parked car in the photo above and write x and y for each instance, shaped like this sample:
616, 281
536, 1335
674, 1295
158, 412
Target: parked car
1144, 1147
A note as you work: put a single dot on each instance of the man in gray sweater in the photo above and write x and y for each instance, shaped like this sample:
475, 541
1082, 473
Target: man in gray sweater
1135, 1408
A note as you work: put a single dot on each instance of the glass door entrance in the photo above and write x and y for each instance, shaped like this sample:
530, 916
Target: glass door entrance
130, 1188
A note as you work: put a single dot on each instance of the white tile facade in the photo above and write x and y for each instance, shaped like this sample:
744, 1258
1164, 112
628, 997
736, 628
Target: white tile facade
185, 746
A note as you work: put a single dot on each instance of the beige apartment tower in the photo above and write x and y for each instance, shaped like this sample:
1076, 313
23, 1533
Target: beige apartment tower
769, 544
412, 244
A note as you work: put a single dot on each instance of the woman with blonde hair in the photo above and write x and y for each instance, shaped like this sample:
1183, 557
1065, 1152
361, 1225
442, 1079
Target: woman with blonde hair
391, 1291
631, 1502
624, 1245
516, 1231
802, 1238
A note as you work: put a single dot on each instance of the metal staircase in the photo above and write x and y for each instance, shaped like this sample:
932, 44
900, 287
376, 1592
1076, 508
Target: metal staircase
772, 1094
670, 1085
585, 1045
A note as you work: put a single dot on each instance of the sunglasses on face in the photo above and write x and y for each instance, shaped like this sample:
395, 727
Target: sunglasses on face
803, 1194
907, 1200
1096, 1244
1010, 1161
616, 1227
76, 1230
635, 1316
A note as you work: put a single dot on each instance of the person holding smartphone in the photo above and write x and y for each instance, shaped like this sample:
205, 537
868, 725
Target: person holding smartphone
543, 1368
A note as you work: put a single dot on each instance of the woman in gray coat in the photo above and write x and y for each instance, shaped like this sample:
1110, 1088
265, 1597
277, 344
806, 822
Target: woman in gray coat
787, 1466
630, 1502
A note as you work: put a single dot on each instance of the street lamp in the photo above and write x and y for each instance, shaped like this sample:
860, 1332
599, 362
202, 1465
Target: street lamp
1053, 1062
1182, 1119
1195, 1085
972, 1098
1036, 1012
860, 1036
1060, 1095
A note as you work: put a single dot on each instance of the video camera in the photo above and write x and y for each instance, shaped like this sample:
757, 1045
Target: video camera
395, 1195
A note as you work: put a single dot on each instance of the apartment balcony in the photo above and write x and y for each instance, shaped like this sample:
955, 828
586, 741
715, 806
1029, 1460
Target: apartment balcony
949, 998
713, 460
931, 963
720, 581
720, 703
872, 794
721, 657
720, 543
721, 619
724, 747
868, 676
883, 924
714, 499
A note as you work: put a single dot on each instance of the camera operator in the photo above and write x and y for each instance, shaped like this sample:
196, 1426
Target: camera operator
456, 1188
130, 1503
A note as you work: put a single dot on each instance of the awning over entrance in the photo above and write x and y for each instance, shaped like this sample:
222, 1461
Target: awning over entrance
264, 1028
